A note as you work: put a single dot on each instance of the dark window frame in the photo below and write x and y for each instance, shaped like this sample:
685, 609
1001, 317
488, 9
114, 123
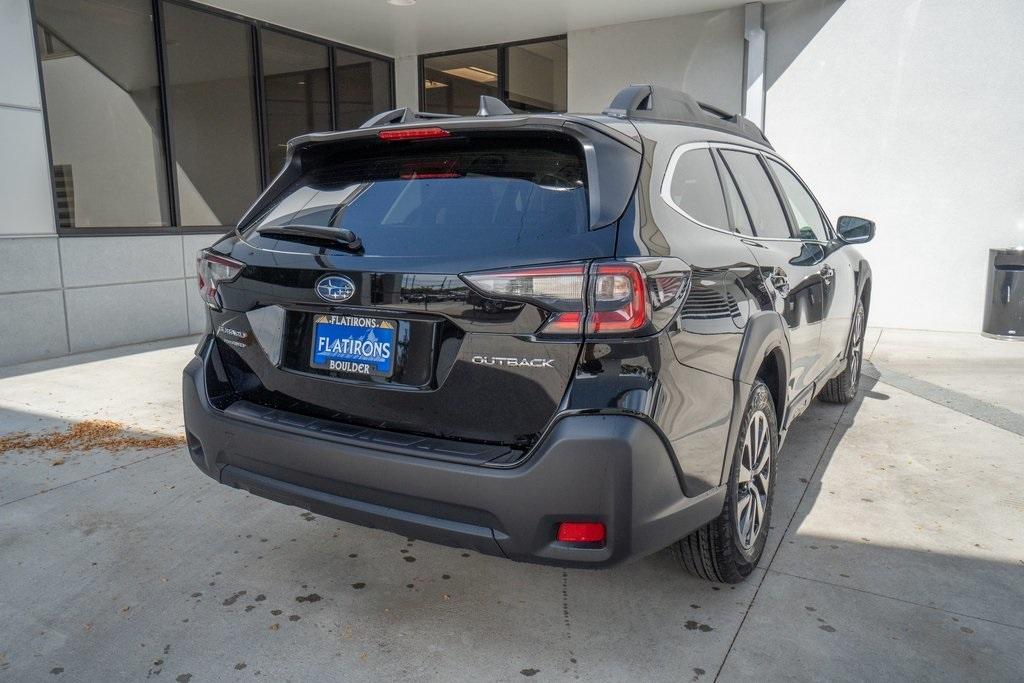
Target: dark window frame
255, 26
502, 51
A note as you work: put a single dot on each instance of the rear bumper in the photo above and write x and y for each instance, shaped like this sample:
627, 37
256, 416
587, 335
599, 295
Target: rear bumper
609, 468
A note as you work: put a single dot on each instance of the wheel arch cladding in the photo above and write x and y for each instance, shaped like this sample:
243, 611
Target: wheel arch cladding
764, 342
864, 285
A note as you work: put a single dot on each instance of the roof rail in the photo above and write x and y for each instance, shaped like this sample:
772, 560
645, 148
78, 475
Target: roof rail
663, 104
489, 106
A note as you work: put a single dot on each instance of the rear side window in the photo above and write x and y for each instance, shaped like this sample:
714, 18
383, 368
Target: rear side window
740, 220
695, 188
809, 225
758, 194
448, 196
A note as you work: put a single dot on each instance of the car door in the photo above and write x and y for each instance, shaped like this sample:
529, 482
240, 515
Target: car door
836, 271
790, 266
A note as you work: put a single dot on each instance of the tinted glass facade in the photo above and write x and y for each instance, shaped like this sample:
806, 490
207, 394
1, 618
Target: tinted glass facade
528, 76
296, 88
210, 89
165, 115
102, 87
362, 87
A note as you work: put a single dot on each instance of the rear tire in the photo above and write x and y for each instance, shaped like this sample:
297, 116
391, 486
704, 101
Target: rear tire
843, 387
727, 548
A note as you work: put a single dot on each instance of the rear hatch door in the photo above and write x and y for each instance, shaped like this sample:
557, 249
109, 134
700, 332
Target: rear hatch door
353, 283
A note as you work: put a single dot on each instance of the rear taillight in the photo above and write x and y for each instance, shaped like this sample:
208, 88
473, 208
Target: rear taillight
618, 299
558, 289
211, 271
613, 298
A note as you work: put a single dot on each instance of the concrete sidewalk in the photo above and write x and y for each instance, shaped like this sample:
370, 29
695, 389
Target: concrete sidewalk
897, 552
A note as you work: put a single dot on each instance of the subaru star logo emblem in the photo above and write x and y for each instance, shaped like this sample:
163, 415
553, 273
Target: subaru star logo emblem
335, 288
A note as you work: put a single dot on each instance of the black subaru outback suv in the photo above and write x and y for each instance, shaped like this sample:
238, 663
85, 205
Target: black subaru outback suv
569, 339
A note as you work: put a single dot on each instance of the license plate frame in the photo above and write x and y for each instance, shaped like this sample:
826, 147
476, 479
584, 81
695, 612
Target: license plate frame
338, 341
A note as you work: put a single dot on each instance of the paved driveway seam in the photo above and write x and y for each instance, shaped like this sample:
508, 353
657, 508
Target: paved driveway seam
91, 476
890, 597
785, 533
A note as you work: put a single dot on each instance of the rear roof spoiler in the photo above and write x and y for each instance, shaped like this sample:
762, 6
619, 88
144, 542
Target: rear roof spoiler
489, 106
664, 104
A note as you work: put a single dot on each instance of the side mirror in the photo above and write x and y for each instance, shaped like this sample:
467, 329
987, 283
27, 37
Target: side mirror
853, 230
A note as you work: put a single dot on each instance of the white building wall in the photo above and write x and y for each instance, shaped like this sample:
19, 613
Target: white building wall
24, 178
699, 53
407, 82
908, 112
69, 294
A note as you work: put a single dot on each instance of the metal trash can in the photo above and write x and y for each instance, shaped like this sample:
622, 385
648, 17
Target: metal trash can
1004, 300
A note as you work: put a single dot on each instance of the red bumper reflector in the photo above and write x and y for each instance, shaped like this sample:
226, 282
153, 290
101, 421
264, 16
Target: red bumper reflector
413, 133
581, 532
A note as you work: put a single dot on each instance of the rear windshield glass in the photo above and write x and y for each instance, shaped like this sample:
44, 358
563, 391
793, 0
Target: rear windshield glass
454, 195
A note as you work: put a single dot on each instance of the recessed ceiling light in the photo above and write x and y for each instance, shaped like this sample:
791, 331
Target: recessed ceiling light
402, 3
473, 73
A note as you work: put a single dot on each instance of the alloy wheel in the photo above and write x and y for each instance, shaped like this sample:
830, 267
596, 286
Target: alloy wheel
753, 480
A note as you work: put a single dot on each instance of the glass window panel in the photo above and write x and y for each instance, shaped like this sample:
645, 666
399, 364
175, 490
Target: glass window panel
809, 225
695, 188
740, 220
210, 85
296, 89
443, 197
758, 194
98, 59
537, 76
362, 87
453, 84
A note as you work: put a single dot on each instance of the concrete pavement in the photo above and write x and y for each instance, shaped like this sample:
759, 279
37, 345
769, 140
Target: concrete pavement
897, 552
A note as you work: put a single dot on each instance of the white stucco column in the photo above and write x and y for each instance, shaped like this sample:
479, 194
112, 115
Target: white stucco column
754, 62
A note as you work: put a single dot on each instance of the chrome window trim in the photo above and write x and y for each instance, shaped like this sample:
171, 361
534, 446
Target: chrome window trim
670, 169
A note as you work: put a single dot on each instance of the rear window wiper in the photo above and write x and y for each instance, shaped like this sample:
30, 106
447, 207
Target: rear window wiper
342, 236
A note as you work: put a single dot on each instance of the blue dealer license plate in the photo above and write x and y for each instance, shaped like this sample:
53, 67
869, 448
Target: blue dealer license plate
353, 344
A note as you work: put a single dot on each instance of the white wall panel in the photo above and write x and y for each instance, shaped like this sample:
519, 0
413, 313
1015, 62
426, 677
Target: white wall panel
909, 113
26, 196
19, 78
33, 327
699, 53
28, 264
407, 82
90, 261
104, 317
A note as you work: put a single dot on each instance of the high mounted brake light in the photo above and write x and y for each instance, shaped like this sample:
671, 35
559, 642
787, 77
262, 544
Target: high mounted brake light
610, 298
413, 133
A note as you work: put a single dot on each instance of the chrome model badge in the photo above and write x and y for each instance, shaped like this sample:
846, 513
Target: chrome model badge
335, 288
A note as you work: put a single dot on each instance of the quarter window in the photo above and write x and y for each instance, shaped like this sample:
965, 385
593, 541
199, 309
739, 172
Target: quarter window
758, 194
695, 188
738, 212
809, 225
